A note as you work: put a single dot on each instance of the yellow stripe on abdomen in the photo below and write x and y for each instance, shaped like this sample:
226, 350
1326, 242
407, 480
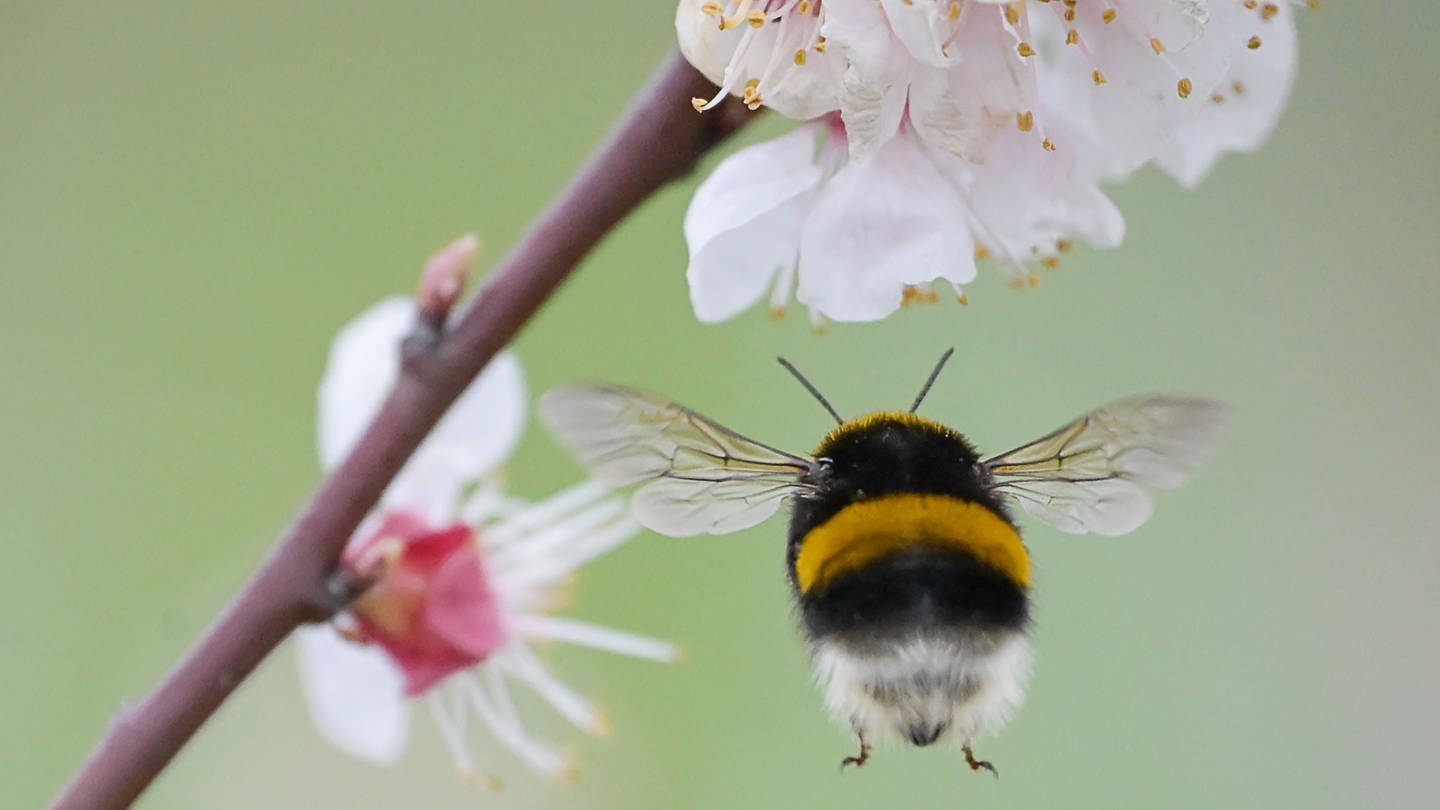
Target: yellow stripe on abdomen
866, 530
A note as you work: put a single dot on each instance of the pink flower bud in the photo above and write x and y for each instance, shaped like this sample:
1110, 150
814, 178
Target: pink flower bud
443, 281
431, 608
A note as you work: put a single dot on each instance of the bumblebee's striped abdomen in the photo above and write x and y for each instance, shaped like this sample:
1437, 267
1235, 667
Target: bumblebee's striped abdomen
912, 562
866, 531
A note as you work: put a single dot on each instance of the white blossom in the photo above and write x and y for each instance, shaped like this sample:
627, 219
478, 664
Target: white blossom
854, 240
957, 129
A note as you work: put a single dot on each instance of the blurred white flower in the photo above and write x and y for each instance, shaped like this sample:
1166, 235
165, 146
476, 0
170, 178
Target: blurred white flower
854, 240
478, 433
466, 575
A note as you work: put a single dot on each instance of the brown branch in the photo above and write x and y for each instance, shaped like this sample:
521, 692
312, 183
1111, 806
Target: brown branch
658, 139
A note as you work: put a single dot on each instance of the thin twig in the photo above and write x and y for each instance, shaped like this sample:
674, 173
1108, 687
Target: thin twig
658, 139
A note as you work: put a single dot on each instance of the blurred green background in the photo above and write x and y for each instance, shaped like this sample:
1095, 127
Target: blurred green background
193, 200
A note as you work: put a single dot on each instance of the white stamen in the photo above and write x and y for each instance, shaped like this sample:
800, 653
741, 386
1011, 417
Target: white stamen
554, 628
502, 719
547, 542
526, 667
487, 503
543, 513
784, 285
452, 729
561, 562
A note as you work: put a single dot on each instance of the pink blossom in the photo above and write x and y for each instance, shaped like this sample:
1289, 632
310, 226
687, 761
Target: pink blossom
467, 576
432, 608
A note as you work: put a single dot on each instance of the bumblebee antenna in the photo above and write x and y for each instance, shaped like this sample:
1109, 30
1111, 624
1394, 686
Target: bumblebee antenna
814, 392
944, 358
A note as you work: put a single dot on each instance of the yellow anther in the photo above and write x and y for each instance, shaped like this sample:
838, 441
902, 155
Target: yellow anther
1097, 77
755, 18
1313, 4
1072, 37
1183, 87
1024, 49
1252, 43
699, 104
712, 9
1069, 15
1237, 87
953, 13
1064, 245
965, 299
726, 23
1269, 10
1156, 45
1012, 14
1033, 279
916, 294
1050, 262
1108, 16
820, 44
1217, 98
777, 313
1025, 121
1252, 4
803, 8
752, 98
981, 253
1048, 145
800, 57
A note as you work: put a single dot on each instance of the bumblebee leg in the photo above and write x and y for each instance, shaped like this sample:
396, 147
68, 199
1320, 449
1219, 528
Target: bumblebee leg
861, 758
977, 764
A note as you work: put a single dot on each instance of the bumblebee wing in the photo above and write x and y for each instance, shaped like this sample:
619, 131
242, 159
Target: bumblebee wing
1092, 474
703, 478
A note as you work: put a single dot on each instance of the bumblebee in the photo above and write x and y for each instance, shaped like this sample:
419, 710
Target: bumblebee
903, 555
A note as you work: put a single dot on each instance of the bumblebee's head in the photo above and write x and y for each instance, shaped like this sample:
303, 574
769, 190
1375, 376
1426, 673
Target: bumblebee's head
894, 451
891, 451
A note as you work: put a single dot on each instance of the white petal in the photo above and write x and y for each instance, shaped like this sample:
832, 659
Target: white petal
918, 27
879, 226
363, 361
877, 74
355, 695
477, 434
743, 223
705, 47
960, 108
1120, 124
1232, 121
1025, 200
